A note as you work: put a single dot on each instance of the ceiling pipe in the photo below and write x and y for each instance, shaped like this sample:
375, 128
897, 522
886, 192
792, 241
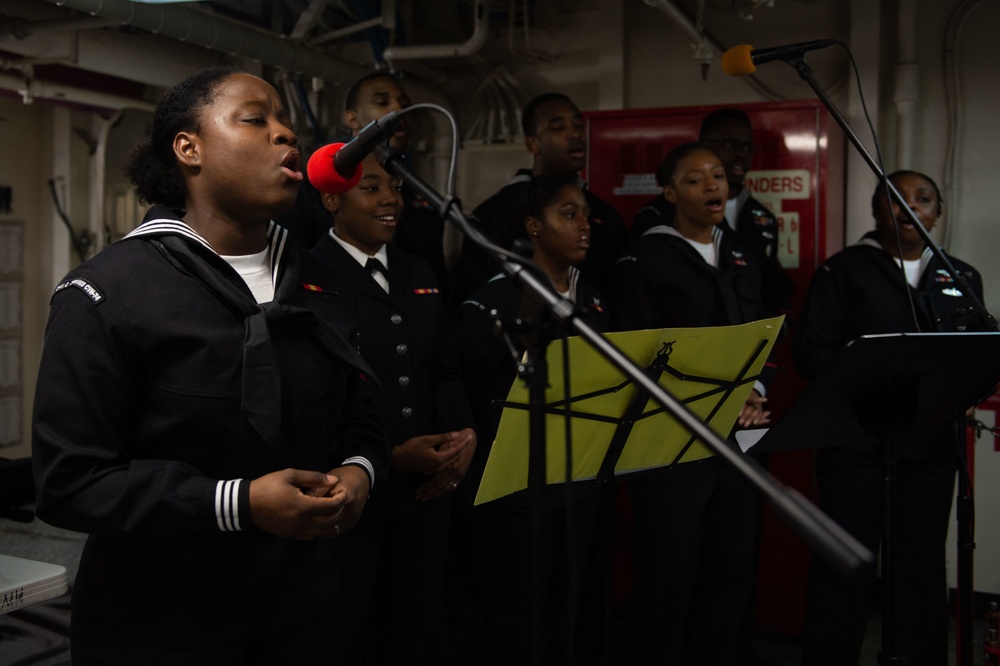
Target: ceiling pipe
19, 28
683, 21
907, 84
702, 54
475, 42
308, 19
212, 32
954, 103
35, 89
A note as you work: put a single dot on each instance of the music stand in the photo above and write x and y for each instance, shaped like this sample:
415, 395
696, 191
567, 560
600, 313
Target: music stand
841, 549
618, 429
900, 391
710, 369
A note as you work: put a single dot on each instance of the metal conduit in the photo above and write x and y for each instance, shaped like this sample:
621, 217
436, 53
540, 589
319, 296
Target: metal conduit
474, 43
218, 34
18, 28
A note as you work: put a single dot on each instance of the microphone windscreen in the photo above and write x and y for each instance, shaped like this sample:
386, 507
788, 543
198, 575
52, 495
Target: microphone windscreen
738, 61
323, 175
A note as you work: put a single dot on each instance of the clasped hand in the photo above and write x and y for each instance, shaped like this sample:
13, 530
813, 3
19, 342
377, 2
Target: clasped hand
299, 504
444, 458
753, 412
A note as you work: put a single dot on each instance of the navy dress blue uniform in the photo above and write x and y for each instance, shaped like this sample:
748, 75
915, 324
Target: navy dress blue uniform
861, 291
695, 524
757, 230
487, 366
498, 218
398, 552
146, 436
503, 548
420, 231
662, 282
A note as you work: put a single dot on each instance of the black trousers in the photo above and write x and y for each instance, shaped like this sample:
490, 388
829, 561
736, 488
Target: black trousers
393, 574
694, 566
314, 643
575, 593
850, 483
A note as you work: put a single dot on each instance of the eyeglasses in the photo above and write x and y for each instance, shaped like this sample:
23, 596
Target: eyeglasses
733, 145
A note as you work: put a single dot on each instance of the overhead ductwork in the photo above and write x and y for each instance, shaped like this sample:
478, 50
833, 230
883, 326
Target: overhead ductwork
472, 45
35, 89
18, 28
218, 34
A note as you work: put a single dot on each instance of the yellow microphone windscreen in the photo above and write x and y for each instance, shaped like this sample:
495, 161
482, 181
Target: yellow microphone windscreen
737, 61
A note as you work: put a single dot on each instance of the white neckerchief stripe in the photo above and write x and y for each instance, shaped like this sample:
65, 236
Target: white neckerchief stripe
925, 256
741, 199
667, 230
574, 280
870, 242
156, 227
925, 259
277, 240
227, 505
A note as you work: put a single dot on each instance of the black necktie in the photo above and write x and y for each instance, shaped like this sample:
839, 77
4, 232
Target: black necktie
375, 267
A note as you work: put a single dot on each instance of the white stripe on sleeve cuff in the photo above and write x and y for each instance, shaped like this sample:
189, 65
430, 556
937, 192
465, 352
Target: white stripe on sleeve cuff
362, 462
227, 506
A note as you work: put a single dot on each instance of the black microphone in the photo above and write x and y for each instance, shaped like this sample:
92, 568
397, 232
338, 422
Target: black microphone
336, 167
743, 59
348, 158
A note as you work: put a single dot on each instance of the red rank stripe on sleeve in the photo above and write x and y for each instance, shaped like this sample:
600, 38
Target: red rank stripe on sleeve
311, 287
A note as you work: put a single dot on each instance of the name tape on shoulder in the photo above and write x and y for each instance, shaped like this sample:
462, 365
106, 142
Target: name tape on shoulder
90, 290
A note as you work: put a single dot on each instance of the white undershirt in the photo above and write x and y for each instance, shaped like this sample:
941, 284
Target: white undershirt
254, 270
912, 268
706, 250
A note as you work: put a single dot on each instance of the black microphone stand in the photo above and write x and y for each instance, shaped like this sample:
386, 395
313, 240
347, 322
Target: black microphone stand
840, 549
965, 545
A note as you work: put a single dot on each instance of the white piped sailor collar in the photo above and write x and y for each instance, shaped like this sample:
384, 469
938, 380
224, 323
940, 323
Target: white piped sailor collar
277, 239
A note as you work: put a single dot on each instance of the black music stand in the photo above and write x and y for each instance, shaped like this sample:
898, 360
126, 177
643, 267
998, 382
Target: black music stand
620, 431
899, 391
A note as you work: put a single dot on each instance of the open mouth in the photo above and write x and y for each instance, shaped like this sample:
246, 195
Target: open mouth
291, 165
715, 204
386, 220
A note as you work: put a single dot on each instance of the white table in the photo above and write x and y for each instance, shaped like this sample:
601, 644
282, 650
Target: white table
25, 582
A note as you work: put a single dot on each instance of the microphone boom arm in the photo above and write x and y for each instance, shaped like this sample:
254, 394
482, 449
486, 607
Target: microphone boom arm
805, 72
839, 548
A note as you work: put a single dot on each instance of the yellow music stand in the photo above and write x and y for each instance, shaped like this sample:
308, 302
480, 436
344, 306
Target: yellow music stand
711, 370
